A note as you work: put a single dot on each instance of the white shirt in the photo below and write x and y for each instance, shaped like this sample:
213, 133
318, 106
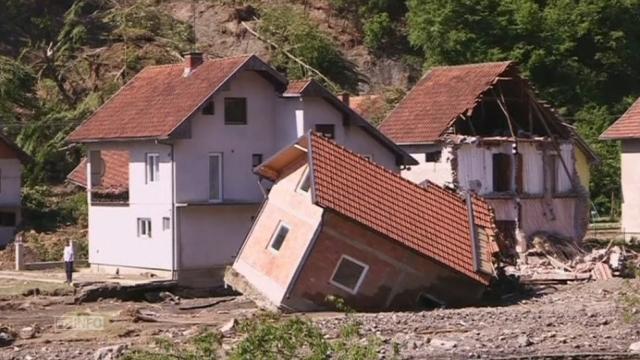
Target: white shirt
68, 253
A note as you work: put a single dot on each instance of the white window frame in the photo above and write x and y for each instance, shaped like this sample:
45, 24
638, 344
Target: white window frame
220, 178
144, 223
360, 280
152, 167
281, 225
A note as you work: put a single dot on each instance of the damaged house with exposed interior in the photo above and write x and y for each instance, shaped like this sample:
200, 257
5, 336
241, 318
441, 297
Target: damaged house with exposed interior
337, 224
481, 127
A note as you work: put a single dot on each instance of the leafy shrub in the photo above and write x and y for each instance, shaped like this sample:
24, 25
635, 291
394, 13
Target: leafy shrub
204, 346
378, 31
294, 33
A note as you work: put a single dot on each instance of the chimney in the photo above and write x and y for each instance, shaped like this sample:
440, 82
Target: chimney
191, 61
345, 98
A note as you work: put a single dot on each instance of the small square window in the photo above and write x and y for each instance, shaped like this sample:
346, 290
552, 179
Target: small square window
256, 159
166, 223
152, 168
349, 274
278, 237
208, 108
326, 130
433, 156
235, 111
144, 227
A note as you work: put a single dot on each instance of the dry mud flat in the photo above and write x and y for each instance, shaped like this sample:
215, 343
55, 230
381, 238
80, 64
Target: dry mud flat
577, 321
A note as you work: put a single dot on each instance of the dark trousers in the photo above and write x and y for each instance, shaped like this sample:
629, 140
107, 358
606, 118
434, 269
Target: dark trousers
68, 267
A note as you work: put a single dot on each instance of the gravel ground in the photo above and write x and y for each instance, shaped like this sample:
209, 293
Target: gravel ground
577, 321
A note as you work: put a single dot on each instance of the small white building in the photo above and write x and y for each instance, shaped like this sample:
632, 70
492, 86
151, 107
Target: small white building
627, 130
480, 127
12, 160
191, 135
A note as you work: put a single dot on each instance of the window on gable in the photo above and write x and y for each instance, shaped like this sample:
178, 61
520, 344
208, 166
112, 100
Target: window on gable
215, 177
208, 108
144, 227
97, 167
433, 156
502, 172
305, 181
152, 168
349, 274
279, 236
7, 218
326, 130
235, 111
256, 159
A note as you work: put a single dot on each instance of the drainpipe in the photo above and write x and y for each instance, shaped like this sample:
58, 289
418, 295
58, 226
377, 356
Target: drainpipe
174, 214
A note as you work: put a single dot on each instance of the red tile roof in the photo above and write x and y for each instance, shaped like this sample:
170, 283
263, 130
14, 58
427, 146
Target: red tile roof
437, 99
369, 107
429, 219
115, 175
627, 126
159, 98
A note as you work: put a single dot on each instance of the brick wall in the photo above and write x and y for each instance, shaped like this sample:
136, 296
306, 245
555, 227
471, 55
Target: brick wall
395, 278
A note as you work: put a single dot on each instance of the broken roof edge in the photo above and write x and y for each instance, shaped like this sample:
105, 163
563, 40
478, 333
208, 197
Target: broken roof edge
21, 155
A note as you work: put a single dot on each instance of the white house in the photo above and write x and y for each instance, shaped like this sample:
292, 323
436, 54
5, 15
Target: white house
191, 134
12, 159
480, 127
627, 130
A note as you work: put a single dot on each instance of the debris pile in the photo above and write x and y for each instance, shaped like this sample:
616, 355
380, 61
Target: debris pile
550, 259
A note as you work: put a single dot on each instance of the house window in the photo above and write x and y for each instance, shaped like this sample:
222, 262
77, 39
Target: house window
153, 168
278, 237
144, 227
215, 177
97, 167
433, 156
235, 111
166, 223
208, 108
256, 159
349, 274
502, 170
305, 182
7, 218
326, 130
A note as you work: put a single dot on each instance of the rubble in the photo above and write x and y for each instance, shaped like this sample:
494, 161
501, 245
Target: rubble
550, 259
7, 336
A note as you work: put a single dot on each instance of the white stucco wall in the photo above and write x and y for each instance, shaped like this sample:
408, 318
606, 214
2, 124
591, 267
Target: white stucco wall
437, 172
354, 138
212, 236
113, 230
630, 176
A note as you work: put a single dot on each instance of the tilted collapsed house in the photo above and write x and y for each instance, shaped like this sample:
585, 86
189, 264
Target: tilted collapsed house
480, 127
170, 158
338, 224
627, 130
12, 161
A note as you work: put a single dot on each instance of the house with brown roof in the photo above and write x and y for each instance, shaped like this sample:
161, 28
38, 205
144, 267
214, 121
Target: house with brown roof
170, 158
481, 127
336, 223
627, 130
12, 162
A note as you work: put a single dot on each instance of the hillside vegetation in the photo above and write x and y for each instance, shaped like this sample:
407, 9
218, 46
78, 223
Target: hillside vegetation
59, 60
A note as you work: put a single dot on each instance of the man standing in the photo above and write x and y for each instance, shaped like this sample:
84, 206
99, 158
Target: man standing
68, 261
